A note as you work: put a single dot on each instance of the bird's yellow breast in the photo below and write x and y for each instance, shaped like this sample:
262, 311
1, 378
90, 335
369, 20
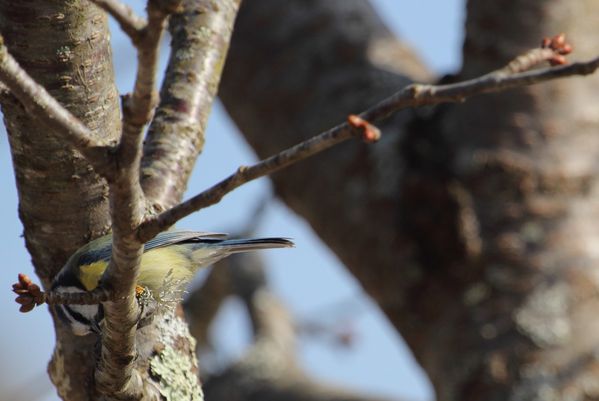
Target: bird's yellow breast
158, 265
90, 274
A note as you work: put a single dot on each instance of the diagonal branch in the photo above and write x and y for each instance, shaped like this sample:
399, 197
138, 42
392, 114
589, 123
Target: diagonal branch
415, 95
200, 39
272, 353
42, 105
129, 22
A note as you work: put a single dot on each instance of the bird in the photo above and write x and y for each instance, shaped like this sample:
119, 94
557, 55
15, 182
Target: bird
169, 261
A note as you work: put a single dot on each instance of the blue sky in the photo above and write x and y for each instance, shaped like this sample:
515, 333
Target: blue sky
309, 279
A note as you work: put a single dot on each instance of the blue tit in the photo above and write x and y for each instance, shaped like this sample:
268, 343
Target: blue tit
171, 257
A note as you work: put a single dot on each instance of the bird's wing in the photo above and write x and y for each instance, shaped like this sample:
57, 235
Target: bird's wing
101, 248
171, 237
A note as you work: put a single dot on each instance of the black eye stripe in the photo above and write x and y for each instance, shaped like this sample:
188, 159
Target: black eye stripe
76, 315
70, 317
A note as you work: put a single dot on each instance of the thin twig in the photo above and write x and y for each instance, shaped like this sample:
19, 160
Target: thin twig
45, 108
30, 295
94, 297
415, 95
130, 23
418, 95
552, 50
526, 61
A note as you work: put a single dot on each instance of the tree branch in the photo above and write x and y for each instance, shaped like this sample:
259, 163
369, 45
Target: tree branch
115, 375
204, 302
268, 370
129, 22
200, 41
137, 107
30, 295
42, 105
415, 95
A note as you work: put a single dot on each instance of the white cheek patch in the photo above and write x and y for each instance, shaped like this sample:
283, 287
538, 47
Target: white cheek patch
80, 317
79, 329
87, 311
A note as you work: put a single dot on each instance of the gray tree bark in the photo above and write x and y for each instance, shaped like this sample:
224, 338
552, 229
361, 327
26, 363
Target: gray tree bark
65, 47
63, 203
472, 226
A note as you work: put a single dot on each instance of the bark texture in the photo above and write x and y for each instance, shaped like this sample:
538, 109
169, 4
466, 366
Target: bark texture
304, 70
200, 41
65, 47
528, 161
470, 225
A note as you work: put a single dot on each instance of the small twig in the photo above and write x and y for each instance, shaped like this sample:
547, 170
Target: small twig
29, 295
45, 108
552, 50
369, 132
94, 297
130, 23
526, 61
415, 95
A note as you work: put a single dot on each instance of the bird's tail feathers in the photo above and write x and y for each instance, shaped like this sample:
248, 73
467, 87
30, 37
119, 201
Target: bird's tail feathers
208, 252
243, 245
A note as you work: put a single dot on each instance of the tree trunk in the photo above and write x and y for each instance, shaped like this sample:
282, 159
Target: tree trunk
470, 225
65, 47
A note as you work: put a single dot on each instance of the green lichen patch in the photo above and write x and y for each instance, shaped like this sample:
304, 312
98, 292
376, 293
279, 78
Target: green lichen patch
177, 377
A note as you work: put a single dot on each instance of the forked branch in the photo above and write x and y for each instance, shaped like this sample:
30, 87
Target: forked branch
516, 74
129, 22
115, 374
